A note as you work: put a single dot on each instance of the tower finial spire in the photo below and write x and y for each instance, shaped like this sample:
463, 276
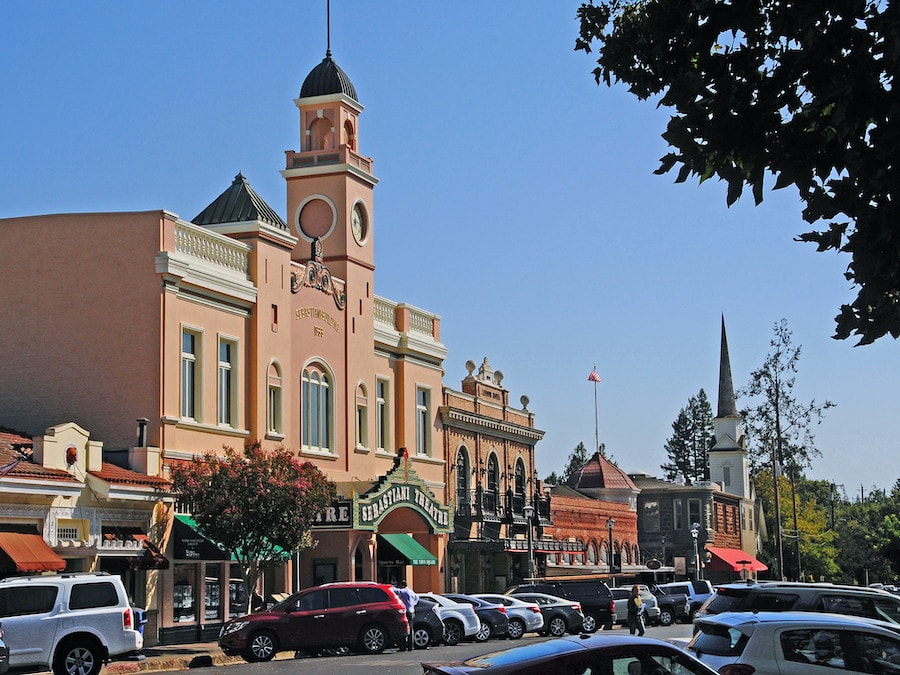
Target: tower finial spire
726, 387
328, 28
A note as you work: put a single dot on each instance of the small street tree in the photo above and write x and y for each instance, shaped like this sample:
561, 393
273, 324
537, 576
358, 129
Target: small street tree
257, 505
692, 437
779, 428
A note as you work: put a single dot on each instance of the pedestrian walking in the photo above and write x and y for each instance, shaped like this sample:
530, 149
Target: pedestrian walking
410, 599
635, 611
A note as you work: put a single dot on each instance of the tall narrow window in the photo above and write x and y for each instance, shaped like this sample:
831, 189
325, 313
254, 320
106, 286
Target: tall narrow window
651, 516
273, 405
726, 475
677, 514
519, 497
362, 418
315, 394
190, 355
382, 416
462, 481
227, 389
694, 513
492, 494
423, 418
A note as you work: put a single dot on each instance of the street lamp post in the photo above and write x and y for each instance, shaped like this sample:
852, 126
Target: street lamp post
610, 522
528, 510
695, 532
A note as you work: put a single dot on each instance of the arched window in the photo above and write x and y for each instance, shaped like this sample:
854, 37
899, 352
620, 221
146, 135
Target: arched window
349, 135
316, 409
463, 501
273, 400
493, 484
520, 481
362, 417
320, 134
604, 554
592, 553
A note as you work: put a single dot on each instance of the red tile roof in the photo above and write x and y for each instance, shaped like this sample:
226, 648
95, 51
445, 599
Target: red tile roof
599, 472
116, 475
15, 461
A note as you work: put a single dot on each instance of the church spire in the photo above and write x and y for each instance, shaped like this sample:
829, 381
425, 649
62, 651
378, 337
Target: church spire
726, 388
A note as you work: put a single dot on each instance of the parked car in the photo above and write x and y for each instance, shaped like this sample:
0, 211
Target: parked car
68, 623
772, 643
561, 616
428, 627
607, 653
650, 604
4, 653
493, 617
524, 617
807, 597
672, 606
364, 616
460, 620
592, 594
697, 591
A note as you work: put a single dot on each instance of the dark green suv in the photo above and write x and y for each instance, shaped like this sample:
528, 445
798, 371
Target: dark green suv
596, 600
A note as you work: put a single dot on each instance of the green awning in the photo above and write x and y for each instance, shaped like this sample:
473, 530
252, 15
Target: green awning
191, 543
409, 548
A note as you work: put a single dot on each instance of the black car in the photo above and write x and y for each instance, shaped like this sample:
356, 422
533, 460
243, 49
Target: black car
672, 606
493, 617
427, 628
593, 595
580, 654
561, 616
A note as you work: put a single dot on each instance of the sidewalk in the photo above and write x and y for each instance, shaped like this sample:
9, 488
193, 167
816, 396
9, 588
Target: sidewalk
179, 657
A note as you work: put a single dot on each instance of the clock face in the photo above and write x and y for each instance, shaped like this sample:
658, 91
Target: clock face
358, 224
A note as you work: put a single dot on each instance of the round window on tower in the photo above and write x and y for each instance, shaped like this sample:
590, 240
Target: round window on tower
316, 217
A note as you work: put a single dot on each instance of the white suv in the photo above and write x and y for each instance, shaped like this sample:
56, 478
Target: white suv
68, 623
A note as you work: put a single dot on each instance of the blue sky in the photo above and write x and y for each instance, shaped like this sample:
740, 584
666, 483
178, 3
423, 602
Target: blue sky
516, 199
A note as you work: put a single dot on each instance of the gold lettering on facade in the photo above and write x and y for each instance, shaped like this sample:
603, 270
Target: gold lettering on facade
316, 313
318, 331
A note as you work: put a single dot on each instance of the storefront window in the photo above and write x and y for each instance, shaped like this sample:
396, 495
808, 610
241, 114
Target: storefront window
213, 592
237, 594
184, 576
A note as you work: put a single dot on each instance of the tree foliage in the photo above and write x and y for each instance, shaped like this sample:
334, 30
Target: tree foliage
803, 91
692, 437
778, 425
257, 505
577, 459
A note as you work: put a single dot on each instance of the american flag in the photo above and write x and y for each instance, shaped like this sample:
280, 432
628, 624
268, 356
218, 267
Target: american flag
594, 377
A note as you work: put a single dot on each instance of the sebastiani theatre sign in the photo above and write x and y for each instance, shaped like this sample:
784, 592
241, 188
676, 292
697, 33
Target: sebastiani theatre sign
400, 488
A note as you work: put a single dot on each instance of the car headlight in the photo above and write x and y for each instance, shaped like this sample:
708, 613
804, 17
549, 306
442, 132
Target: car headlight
233, 627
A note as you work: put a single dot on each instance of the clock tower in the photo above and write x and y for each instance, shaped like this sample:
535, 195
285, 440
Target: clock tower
329, 183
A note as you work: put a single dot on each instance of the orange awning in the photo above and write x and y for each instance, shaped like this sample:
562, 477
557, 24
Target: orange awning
30, 553
733, 560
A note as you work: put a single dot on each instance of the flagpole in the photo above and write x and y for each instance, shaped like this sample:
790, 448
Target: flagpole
596, 417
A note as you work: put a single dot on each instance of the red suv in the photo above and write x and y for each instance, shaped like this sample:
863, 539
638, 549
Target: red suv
363, 616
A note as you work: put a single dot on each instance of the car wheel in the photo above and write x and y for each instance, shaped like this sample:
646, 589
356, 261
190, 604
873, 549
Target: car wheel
666, 618
557, 627
373, 639
453, 632
421, 637
78, 658
484, 632
589, 625
516, 629
260, 647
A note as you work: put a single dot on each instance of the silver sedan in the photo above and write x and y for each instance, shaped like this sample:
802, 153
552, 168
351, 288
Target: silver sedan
524, 617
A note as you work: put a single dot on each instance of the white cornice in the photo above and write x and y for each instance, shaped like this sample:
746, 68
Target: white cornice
325, 169
40, 488
478, 423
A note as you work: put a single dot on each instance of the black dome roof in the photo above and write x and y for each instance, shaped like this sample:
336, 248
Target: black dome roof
327, 78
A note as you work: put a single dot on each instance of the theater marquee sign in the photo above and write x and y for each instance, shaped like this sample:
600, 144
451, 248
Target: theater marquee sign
401, 487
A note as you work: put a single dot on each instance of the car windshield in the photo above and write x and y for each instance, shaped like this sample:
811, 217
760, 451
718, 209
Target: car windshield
718, 641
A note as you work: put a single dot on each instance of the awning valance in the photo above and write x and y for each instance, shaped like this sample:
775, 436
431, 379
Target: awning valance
191, 544
30, 553
733, 560
409, 548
